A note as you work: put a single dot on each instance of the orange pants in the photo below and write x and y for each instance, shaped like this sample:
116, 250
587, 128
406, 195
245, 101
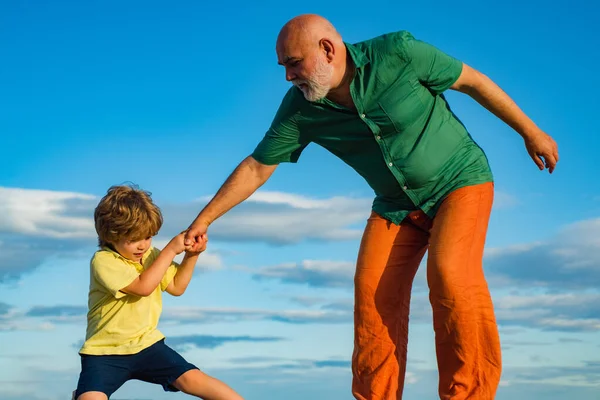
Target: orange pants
466, 334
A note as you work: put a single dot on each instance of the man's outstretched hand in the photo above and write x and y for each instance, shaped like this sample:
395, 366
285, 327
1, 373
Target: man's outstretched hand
543, 150
195, 237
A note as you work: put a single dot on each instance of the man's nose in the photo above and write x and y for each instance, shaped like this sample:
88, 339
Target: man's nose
289, 75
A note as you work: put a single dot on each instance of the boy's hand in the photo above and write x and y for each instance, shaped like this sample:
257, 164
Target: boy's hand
177, 244
198, 247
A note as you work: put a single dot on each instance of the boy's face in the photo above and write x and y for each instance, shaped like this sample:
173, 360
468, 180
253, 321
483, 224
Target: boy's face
133, 249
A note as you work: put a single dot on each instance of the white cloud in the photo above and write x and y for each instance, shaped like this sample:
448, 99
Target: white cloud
568, 260
44, 213
575, 311
36, 225
283, 218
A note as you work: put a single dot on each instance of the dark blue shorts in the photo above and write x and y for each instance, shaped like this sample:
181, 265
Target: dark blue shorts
158, 364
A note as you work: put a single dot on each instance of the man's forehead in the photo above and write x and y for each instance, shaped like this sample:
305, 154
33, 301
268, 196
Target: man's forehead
288, 50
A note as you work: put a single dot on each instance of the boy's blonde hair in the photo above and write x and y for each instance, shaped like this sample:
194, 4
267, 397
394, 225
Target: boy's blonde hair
126, 212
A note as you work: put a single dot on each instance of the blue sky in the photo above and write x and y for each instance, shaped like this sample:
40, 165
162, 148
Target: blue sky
172, 96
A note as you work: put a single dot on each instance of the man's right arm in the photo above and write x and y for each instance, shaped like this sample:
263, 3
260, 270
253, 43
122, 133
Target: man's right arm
248, 176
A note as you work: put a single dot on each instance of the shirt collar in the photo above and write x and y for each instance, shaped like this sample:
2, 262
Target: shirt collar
359, 58
144, 256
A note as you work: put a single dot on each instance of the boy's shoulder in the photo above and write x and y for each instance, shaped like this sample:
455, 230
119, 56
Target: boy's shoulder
106, 257
105, 254
151, 254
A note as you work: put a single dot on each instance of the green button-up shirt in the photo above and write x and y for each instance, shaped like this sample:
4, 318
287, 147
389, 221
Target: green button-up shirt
403, 138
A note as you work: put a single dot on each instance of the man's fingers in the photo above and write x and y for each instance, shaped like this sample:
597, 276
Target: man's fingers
189, 238
550, 162
538, 161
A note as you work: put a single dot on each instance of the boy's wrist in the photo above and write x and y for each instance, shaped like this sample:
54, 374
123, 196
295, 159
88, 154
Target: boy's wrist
170, 251
191, 254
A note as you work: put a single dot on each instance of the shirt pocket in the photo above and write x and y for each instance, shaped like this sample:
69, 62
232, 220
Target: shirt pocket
401, 108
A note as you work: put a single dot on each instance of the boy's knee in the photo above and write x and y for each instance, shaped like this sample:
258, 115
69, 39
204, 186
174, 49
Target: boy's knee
189, 379
91, 396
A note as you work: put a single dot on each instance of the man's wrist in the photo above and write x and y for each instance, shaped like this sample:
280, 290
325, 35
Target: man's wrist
530, 132
203, 220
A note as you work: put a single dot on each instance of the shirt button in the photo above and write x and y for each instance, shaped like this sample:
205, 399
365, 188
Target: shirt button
362, 116
390, 164
378, 137
404, 187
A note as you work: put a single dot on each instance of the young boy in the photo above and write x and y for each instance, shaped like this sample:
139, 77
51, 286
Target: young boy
127, 278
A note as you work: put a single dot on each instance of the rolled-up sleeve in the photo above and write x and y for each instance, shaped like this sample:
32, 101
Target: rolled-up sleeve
282, 141
435, 69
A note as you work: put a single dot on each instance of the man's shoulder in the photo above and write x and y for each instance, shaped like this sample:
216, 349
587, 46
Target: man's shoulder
386, 42
293, 98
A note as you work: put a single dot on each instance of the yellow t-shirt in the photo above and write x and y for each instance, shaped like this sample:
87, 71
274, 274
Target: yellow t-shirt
117, 322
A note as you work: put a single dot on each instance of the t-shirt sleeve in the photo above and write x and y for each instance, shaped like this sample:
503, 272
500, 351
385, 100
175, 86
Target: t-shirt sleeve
282, 141
435, 69
112, 273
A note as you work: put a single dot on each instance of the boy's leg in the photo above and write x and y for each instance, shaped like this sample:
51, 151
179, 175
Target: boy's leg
93, 396
159, 364
101, 376
388, 260
466, 334
197, 383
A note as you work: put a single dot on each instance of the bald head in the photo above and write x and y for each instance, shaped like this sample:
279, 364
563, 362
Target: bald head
313, 53
308, 29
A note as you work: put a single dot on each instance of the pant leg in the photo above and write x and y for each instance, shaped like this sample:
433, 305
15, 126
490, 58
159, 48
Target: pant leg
105, 374
161, 365
466, 334
388, 259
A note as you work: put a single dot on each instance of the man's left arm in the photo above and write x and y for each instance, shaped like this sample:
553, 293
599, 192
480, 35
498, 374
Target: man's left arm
540, 146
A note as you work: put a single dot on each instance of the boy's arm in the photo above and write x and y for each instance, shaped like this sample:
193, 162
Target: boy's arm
183, 276
184, 273
149, 280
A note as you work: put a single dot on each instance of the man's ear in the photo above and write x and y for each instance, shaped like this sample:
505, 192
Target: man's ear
328, 48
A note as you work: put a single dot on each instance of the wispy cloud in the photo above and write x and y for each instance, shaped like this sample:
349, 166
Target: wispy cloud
45, 317
188, 342
183, 315
588, 374
276, 362
566, 261
316, 273
504, 200
284, 218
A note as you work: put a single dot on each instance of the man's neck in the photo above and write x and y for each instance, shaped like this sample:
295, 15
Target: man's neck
341, 93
